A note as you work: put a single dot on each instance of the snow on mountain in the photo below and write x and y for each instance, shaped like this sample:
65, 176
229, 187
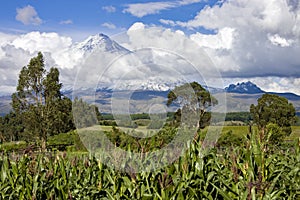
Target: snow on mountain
146, 85
100, 42
244, 88
77, 54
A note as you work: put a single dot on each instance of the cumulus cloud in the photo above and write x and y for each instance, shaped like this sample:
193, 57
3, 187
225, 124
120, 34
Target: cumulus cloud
141, 36
280, 41
143, 9
109, 25
28, 15
109, 9
253, 38
222, 40
10, 65
16, 51
45, 42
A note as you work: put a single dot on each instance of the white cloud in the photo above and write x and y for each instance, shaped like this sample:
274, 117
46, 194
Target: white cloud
143, 9
10, 65
45, 42
109, 25
16, 51
222, 40
66, 22
28, 15
280, 41
109, 9
265, 41
270, 15
167, 22
177, 43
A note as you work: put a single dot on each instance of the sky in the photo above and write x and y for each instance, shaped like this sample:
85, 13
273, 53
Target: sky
255, 40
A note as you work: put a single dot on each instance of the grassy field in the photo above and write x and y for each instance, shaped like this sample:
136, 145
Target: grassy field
140, 129
236, 130
242, 130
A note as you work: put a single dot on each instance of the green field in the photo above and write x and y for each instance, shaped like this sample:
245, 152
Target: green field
242, 130
236, 130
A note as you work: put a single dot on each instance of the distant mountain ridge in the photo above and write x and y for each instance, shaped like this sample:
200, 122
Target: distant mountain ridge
244, 88
240, 96
251, 88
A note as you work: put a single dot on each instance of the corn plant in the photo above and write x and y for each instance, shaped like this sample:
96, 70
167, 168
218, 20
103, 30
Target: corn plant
249, 172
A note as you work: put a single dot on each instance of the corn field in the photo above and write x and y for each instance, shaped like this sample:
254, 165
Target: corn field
251, 172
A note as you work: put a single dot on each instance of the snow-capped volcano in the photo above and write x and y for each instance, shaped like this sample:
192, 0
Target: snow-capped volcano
100, 59
100, 42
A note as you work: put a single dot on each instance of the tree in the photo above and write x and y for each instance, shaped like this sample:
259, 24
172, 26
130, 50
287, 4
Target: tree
85, 115
39, 103
273, 109
11, 127
189, 95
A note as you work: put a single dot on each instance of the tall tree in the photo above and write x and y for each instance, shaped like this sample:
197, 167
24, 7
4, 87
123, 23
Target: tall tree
273, 109
191, 94
38, 101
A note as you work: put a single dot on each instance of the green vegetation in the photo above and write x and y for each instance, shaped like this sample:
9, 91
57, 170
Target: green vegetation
85, 115
274, 116
244, 117
195, 101
251, 172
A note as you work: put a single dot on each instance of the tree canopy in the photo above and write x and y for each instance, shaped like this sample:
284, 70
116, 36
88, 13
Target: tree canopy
276, 110
191, 94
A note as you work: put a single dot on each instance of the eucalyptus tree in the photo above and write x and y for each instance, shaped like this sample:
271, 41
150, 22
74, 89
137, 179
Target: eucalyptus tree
189, 95
39, 102
273, 114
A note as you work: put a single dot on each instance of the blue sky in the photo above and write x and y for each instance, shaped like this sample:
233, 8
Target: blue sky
79, 18
255, 40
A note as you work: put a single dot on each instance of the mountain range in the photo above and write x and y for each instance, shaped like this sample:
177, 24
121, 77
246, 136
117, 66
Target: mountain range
143, 93
239, 97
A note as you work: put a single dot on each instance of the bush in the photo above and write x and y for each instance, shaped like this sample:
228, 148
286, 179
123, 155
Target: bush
230, 139
13, 146
142, 122
108, 123
65, 141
